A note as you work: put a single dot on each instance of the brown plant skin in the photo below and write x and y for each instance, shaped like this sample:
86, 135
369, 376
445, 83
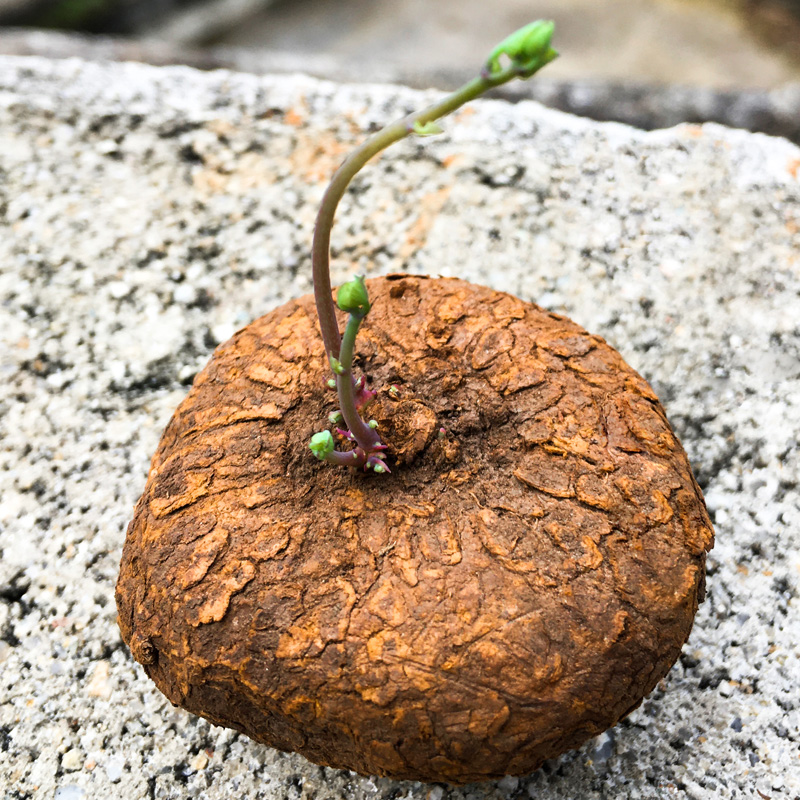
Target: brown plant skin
516, 586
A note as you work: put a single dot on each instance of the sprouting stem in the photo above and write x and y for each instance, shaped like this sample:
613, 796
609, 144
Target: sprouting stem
518, 56
367, 437
320, 253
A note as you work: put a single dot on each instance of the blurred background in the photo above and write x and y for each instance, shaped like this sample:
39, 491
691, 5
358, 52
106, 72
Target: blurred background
648, 62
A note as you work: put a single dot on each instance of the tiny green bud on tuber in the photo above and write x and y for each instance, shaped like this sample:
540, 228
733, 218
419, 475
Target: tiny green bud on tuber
321, 444
336, 366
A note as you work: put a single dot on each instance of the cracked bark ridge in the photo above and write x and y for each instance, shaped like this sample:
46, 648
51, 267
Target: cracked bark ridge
510, 590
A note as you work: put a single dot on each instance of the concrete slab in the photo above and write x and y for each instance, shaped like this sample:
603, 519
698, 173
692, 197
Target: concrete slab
711, 43
147, 213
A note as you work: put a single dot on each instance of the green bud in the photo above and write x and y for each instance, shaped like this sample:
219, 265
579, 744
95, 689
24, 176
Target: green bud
331, 383
335, 417
336, 365
353, 297
321, 444
528, 48
379, 468
373, 423
426, 129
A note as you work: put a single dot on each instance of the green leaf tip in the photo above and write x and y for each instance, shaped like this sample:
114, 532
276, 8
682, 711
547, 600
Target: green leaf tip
528, 48
353, 297
321, 444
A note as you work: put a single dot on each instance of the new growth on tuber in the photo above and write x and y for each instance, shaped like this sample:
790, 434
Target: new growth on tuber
520, 55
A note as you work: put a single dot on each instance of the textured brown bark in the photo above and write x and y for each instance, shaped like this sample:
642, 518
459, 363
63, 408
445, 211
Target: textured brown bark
511, 590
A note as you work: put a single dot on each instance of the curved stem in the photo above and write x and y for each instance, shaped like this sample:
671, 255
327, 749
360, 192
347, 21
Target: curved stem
367, 438
350, 458
320, 252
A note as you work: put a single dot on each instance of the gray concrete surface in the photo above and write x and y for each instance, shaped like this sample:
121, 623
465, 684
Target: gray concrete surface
147, 213
643, 105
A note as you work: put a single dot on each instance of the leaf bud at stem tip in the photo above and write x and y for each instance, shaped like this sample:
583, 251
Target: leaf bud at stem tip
353, 297
528, 50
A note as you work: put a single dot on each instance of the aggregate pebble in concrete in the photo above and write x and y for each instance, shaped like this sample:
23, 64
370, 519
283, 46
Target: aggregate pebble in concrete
147, 213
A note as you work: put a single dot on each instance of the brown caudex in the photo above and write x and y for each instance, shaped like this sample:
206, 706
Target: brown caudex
517, 585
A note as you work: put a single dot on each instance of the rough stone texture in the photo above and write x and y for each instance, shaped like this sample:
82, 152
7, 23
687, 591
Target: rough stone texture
632, 101
514, 588
149, 213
